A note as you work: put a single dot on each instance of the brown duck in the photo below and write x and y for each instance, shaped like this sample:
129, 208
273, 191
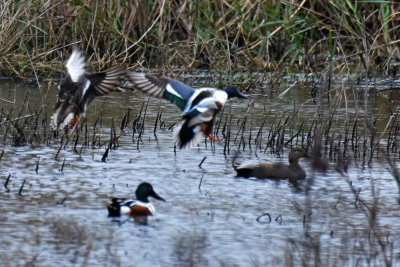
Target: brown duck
275, 170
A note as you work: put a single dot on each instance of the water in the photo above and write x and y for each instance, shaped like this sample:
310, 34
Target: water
211, 217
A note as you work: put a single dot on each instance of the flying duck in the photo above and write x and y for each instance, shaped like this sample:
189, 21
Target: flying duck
79, 89
199, 105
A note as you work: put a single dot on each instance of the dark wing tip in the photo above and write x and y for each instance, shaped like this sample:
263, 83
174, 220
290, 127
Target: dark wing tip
148, 83
108, 81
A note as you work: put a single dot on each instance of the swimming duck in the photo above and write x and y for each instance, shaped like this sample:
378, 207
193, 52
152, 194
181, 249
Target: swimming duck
199, 105
275, 170
79, 89
141, 206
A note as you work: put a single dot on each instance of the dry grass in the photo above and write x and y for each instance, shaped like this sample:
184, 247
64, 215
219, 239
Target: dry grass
290, 35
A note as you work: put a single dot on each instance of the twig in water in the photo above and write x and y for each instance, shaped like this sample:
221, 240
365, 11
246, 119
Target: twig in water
337, 202
80, 151
262, 216
202, 161
62, 166
20, 189
124, 122
104, 158
76, 141
61, 202
172, 126
395, 173
279, 219
37, 166
358, 193
5, 185
201, 180
156, 122
58, 152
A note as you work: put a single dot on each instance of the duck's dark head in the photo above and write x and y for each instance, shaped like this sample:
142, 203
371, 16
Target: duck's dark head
232, 92
144, 191
296, 153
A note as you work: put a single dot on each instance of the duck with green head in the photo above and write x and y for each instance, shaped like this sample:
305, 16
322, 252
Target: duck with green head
200, 106
141, 206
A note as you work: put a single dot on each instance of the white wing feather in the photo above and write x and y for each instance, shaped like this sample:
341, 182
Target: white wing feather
76, 65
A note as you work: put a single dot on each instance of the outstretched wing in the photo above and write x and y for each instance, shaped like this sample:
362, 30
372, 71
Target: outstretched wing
122, 201
106, 82
101, 84
162, 87
76, 65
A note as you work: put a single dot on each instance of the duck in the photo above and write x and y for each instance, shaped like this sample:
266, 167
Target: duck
199, 106
275, 170
79, 89
141, 206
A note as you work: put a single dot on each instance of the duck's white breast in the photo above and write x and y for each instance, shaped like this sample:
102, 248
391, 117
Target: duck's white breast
221, 96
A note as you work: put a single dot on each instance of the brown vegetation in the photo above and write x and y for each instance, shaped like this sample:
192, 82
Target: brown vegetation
298, 35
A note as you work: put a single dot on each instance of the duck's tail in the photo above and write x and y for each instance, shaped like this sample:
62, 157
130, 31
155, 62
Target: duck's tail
187, 137
114, 208
61, 117
240, 172
235, 165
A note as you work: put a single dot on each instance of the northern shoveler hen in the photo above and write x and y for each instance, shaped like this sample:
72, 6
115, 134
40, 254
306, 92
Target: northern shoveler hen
79, 89
199, 105
275, 170
141, 206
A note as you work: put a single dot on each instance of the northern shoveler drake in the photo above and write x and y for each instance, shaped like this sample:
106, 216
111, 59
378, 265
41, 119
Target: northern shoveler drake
79, 89
275, 170
141, 206
199, 105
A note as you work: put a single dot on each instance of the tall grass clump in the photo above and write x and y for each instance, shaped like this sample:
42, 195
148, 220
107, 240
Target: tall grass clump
298, 35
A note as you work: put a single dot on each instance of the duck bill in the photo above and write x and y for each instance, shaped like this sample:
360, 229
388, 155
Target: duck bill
240, 95
156, 196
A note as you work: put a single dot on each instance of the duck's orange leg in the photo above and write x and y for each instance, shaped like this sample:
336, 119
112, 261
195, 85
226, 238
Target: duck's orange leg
206, 128
74, 121
212, 138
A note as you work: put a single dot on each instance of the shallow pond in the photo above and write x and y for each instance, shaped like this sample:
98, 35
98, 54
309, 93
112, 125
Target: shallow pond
54, 211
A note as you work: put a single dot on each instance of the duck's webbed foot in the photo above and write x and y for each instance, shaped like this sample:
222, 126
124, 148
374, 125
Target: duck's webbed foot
75, 120
212, 138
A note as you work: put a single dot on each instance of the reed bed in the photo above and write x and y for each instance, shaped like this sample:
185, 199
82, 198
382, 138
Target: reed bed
35, 36
330, 135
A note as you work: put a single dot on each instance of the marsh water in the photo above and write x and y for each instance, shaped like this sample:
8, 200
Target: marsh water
53, 208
